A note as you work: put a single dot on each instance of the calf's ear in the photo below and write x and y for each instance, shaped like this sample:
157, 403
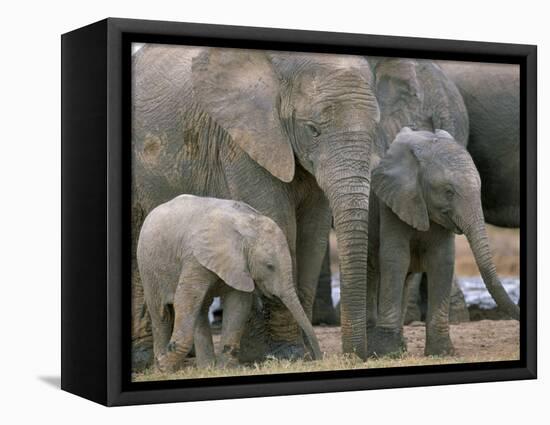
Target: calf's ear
396, 182
221, 248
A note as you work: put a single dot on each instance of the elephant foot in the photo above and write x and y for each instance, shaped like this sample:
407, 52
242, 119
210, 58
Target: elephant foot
385, 342
370, 332
168, 362
285, 350
509, 312
142, 358
324, 314
204, 362
439, 345
229, 357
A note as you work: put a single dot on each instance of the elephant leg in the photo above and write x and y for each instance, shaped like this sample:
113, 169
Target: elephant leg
255, 342
387, 338
440, 269
204, 345
162, 323
142, 339
411, 299
271, 329
237, 307
373, 283
458, 310
373, 268
284, 337
188, 300
313, 228
323, 309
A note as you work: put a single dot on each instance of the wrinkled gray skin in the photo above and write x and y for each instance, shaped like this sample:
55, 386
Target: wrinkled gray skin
491, 94
289, 134
418, 94
191, 249
427, 189
414, 93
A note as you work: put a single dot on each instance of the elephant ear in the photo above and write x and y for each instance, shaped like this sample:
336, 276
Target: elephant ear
220, 247
396, 181
240, 91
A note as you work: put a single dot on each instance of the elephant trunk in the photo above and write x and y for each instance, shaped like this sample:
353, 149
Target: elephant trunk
291, 301
347, 185
476, 233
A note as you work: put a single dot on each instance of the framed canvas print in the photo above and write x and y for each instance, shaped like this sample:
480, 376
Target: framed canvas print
252, 212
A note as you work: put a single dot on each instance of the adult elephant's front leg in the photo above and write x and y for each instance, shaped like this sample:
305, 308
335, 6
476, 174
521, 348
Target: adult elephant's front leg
271, 330
312, 231
313, 227
283, 335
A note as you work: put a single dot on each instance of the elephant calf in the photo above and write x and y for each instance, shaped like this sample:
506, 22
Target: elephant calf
427, 189
191, 249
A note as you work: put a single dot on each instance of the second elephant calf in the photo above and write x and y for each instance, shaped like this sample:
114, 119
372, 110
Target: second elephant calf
427, 189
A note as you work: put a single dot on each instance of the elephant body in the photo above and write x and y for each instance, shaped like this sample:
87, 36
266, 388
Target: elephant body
491, 93
426, 189
289, 134
415, 93
191, 249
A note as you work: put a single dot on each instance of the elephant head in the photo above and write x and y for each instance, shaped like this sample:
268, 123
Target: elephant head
249, 251
428, 177
414, 92
315, 111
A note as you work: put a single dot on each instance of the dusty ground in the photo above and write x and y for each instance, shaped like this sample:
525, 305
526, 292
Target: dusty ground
482, 341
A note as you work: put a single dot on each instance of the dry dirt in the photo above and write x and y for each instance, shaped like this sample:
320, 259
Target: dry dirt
482, 341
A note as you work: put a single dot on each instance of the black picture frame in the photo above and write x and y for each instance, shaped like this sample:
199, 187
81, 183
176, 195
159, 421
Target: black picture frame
95, 211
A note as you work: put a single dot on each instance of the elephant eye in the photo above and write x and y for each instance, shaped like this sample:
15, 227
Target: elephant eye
449, 193
313, 129
270, 267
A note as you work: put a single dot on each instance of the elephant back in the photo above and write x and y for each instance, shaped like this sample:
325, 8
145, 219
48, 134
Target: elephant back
161, 83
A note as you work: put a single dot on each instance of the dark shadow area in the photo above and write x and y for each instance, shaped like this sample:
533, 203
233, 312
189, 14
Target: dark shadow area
54, 381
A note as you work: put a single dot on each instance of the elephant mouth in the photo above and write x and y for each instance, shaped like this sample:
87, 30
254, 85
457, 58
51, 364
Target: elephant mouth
456, 230
262, 290
450, 223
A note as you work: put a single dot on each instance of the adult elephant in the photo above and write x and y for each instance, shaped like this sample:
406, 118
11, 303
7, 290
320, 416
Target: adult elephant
491, 94
288, 133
